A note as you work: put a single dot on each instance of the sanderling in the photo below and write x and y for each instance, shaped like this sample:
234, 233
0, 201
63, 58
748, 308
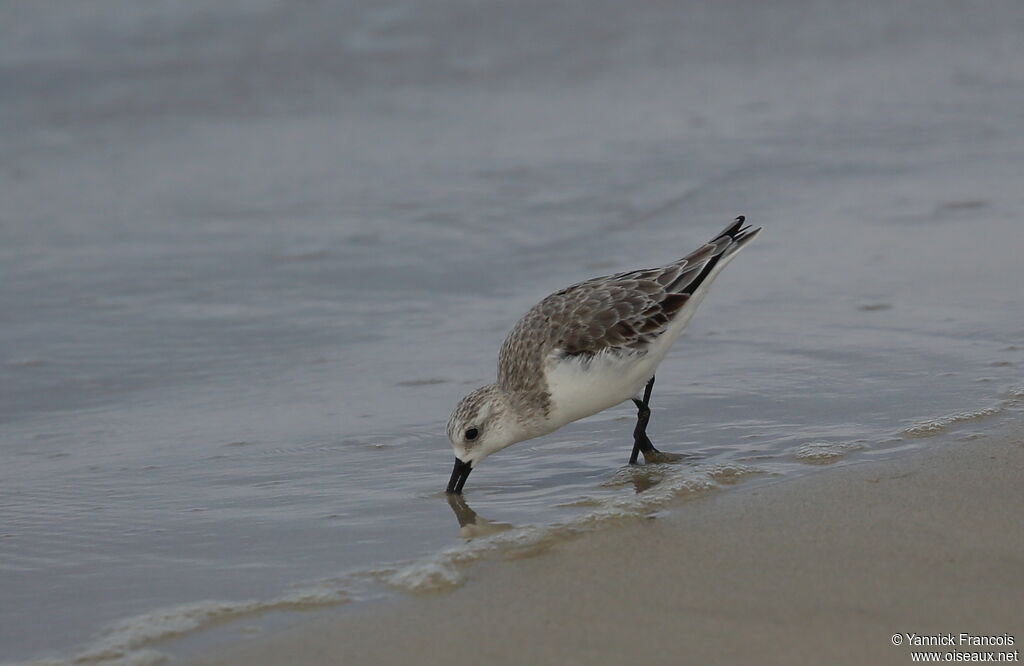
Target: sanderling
584, 349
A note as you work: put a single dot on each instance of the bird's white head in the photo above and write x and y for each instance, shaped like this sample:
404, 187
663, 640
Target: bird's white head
483, 423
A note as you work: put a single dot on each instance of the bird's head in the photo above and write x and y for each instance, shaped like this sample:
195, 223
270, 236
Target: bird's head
483, 423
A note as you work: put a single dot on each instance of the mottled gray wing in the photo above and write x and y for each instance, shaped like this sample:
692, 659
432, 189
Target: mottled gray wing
620, 313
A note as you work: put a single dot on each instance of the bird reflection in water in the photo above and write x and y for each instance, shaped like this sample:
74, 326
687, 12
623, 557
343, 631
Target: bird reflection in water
644, 477
471, 525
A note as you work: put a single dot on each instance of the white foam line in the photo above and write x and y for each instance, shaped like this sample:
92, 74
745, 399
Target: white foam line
941, 424
445, 570
825, 453
126, 643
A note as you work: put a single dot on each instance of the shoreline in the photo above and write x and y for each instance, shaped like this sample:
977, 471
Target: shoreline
824, 568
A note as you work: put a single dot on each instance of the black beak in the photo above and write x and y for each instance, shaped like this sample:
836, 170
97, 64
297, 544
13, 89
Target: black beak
459, 476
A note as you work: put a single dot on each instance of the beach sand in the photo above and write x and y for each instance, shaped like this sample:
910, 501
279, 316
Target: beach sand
823, 569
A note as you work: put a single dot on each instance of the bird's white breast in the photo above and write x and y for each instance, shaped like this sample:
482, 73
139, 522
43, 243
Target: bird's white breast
580, 389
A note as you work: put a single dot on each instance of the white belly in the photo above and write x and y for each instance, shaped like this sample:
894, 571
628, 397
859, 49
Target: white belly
581, 389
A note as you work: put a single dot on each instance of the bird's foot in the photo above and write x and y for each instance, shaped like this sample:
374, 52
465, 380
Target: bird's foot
656, 456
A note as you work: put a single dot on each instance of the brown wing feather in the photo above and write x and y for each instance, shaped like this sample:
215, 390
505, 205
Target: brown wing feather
620, 313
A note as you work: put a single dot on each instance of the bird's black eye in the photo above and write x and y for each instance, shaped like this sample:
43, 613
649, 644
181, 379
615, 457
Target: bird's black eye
471, 434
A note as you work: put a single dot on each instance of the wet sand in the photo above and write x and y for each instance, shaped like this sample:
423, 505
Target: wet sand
821, 569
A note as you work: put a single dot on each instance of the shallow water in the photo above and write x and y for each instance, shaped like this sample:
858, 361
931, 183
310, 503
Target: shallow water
251, 258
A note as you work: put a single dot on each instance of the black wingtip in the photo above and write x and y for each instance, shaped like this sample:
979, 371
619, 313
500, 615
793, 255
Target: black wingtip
732, 229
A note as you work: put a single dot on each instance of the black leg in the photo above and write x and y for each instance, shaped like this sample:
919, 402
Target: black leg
641, 443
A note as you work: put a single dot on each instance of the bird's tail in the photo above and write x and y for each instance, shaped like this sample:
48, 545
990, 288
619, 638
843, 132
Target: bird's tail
734, 236
715, 254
